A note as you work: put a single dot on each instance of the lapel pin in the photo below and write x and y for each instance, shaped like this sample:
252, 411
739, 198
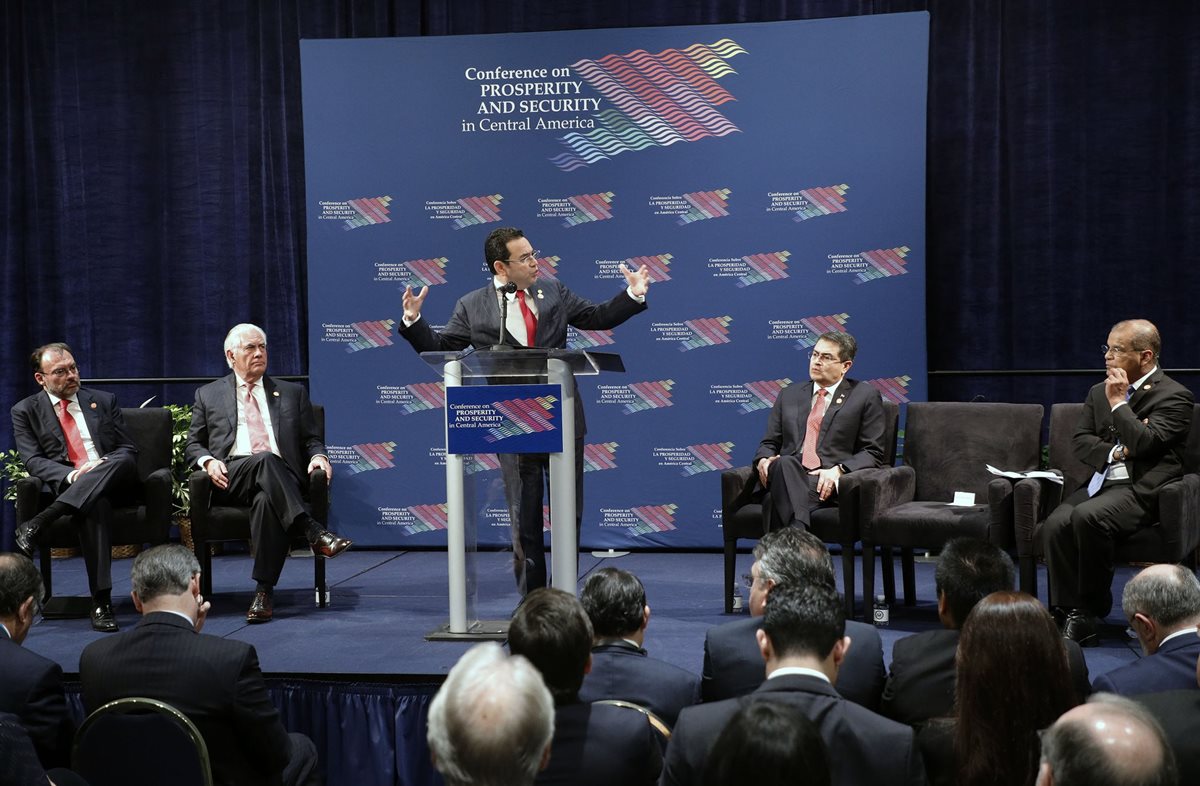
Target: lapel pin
539, 293
839, 401
93, 405
1146, 386
275, 393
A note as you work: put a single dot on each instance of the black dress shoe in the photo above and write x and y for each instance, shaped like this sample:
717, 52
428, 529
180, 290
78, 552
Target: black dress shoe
26, 537
329, 545
1081, 628
103, 619
260, 609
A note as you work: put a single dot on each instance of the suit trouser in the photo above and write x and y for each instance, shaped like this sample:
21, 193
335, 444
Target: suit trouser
793, 495
272, 490
92, 494
525, 477
1080, 538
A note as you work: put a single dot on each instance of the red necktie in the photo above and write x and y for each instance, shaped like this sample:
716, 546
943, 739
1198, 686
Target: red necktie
259, 441
530, 320
808, 457
75, 450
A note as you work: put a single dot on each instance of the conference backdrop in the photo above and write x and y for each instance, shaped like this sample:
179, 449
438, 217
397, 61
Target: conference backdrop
770, 176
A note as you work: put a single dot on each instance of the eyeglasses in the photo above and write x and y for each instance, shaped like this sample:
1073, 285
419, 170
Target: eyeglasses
527, 258
62, 371
748, 580
825, 357
1106, 349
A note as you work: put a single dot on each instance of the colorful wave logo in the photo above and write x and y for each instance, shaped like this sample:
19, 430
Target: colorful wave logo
371, 210
764, 394
818, 325
651, 395
522, 416
588, 339
654, 518
599, 456
426, 395
884, 262
480, 210
705, 205
892, 388
372, 455
707, 332
548, 267
822, 201
659, 266
590, 207
372, 335
765, 267
480, 462
657, 100
427, 272
708, 458
428, 519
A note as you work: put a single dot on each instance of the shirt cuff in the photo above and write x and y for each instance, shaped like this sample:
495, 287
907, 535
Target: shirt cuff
404, 321
633, 297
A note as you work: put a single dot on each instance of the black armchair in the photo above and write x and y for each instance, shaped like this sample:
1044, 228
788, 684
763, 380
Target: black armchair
1174, 538
946, 445
217, 523
142, 517
742, 502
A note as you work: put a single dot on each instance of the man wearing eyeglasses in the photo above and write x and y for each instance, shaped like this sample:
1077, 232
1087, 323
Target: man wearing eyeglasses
73, 439
818, 432
538, 314
1131, 433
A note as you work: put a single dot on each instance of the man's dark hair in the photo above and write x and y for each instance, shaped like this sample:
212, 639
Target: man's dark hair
847, 346
1078, 757
793, 555
552, 630
968, 570
804, 620
19, 580
614, 600
35, 359
775, 741
496, 245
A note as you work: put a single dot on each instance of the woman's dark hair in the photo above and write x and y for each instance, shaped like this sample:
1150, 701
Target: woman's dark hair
774, 741
1013, 680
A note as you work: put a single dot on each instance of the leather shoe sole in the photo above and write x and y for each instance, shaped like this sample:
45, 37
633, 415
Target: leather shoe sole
329, 545
260, 609
103, 619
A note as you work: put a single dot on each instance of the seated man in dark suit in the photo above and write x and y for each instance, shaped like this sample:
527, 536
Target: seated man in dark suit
803, 645
73, 439
615, 602
257, 439
216, 682
732, 663
817, 432
593, 743
1162, 604
21, 765
920, 685
492, 720
31, 688
1178, 712
1110, 741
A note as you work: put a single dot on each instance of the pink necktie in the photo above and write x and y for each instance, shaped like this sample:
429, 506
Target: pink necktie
259, 441
530, 320
808, 456
75, 450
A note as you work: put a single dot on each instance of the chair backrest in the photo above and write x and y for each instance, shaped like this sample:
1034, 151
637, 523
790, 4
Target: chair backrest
140, 742
150, 430
891, 412
949, 443
1064, 420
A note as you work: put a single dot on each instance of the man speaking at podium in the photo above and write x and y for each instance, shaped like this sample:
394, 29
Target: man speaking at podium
538, 314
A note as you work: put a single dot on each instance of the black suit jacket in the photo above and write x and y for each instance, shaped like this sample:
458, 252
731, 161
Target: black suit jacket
1154, 426
864, 748
31, 689
622, 671
851, 433
1172, 667
601, 745
1179, 713
40, 440
734, 666
214, 423
920, 685
215, 682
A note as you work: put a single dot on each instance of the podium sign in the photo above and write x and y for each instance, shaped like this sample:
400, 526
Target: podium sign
504, 419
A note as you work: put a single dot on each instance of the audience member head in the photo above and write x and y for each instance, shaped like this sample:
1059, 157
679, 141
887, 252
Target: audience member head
1110, 741
1012, 680
246, 351
166, 578
20, 594
615, 602
788, 556
1160, 600
968, 570
804, 626
552, 630
491, 721
776, 742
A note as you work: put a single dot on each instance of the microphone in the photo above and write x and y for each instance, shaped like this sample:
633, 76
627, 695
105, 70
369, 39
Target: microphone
507, 289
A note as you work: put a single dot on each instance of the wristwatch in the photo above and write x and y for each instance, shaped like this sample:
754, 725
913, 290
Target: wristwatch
843, 468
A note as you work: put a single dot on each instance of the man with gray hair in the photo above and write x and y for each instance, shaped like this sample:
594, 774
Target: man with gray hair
1162, 604
216, 682
1110, 741
257, 439
492, 720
